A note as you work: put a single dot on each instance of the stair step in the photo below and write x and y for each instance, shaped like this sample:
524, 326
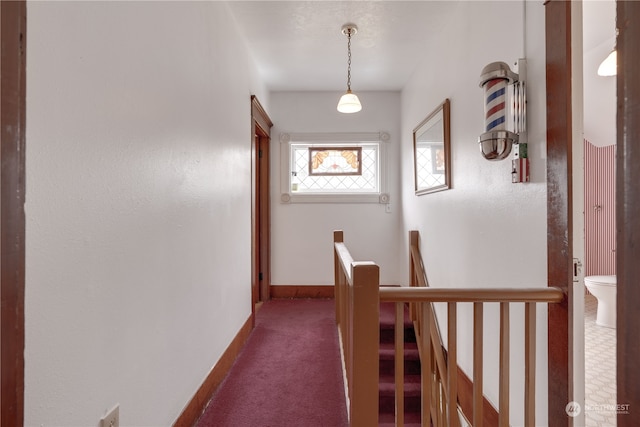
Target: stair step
388, 335
411, 385
388, 316
389, 420
388, 363
388, 367
388, 351
387, 405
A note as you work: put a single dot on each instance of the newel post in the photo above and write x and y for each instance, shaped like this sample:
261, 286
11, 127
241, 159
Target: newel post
366, 340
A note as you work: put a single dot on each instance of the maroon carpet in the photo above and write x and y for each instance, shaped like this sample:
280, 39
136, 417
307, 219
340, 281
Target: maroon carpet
288, 374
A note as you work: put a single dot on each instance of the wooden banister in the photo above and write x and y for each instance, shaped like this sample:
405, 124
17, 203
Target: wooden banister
406, 294
358, 296
358, 316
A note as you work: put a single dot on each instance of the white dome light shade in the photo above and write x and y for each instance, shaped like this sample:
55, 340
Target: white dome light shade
349, 103
609, 66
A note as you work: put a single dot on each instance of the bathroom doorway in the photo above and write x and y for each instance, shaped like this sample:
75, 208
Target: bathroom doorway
595, 243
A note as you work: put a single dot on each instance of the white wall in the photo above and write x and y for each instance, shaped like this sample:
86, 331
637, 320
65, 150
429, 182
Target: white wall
599, 29
486, 231
302, 233
138, 206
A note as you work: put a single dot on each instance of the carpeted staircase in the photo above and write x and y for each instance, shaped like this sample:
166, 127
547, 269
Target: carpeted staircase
412, 395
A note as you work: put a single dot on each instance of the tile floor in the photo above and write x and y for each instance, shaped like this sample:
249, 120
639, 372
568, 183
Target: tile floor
600, 369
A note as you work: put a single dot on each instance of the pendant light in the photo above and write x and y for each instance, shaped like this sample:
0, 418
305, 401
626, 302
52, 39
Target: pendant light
349, 102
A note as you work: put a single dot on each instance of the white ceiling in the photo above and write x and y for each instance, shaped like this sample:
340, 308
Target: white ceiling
598, 24
599, 32
298, 45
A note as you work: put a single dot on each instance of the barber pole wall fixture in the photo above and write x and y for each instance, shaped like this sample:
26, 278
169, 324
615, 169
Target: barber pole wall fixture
505, 117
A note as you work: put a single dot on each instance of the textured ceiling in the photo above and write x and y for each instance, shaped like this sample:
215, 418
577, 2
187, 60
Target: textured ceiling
298, 45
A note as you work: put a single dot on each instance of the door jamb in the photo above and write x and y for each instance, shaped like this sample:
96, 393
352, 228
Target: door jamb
12, 216
260, 254
559, 208
628, 212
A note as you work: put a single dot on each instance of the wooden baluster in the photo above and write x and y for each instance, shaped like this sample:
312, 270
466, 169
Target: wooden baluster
452, 364
438, 400
441, 404
348, 328
504, 366
477, 363
413, 278
399, 364
427, 366
437, 397
338, 237
530, 364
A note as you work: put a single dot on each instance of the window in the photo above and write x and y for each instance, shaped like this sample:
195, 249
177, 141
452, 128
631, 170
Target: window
333, 168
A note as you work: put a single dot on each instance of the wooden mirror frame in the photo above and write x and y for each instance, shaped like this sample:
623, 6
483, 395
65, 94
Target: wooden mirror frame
444, 110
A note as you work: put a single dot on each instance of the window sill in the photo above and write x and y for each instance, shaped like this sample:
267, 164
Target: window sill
288, 198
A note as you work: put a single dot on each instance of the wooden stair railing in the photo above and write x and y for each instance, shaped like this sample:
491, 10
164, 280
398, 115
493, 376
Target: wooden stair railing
355, 280
358, 316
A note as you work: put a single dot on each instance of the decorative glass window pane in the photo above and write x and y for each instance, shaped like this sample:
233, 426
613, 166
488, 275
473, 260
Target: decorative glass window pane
335, 161
366, 178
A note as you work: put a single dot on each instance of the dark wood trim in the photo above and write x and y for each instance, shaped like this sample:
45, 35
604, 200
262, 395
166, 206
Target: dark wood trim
264, 211
255, 224
199, 401
302, 291
628, 211
13, 26
260, 115
260, 204
559, 207
490, 416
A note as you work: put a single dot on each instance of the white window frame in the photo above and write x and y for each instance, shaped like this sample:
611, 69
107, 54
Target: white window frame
324, 139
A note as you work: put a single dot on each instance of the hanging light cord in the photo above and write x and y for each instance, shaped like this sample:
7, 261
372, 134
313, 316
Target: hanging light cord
349, 60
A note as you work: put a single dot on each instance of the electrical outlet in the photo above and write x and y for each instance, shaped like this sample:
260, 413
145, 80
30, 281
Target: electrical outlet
112, 419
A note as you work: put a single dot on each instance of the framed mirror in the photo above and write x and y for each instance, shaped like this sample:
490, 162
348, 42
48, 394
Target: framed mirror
432, 151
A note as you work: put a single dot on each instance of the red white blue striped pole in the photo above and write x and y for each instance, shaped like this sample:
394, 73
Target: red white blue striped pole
495, 91
496, 141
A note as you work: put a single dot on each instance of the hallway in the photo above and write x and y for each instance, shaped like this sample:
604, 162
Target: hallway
134, 241
289, 372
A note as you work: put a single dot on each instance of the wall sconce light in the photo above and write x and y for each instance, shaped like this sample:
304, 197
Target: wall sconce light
349, 102
505, 116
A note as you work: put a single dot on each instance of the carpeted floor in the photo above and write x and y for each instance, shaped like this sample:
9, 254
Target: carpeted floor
288, 374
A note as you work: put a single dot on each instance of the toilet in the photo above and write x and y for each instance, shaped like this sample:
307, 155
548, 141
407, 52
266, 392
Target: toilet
604, 289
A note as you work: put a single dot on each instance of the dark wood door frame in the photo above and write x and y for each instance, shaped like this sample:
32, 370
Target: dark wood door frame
12, 221
559, 208
628, 211
260, 203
